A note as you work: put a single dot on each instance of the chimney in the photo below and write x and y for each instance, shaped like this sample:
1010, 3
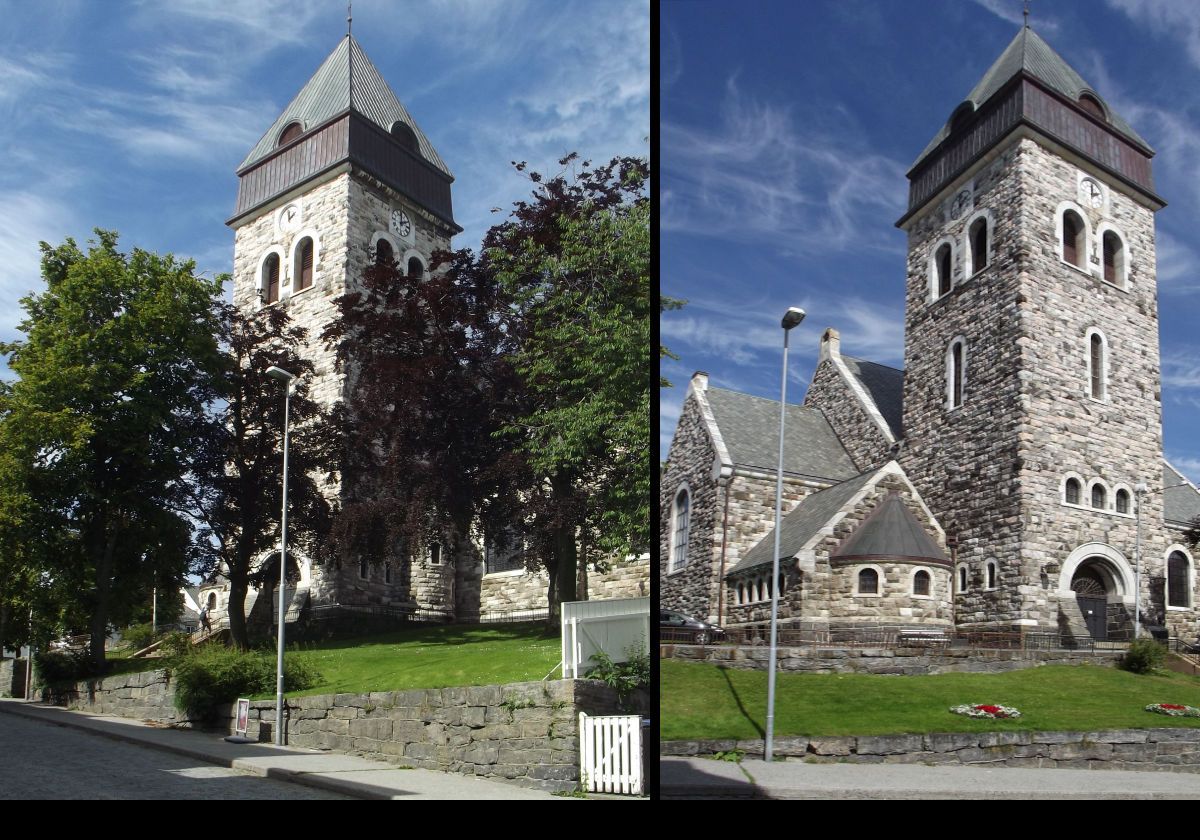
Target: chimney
700, 381
831, 345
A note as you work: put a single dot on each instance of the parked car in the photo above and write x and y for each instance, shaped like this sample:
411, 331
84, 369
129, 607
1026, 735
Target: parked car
677, 627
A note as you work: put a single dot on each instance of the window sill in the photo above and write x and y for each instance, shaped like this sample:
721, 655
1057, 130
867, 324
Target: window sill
1179, 609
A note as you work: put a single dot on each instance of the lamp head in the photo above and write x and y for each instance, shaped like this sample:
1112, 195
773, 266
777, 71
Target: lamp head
793, 318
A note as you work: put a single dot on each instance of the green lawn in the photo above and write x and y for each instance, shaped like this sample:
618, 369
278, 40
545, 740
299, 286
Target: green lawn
434, 657
704, 701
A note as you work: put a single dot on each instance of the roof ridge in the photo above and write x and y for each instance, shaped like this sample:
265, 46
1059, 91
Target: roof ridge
870, 362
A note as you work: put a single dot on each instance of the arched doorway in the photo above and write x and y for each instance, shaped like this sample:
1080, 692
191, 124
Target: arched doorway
1094, 584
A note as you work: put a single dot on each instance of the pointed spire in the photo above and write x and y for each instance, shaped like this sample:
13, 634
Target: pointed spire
350, 16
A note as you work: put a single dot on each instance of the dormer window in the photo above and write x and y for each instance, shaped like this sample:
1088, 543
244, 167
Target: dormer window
290, 132
1092, 105
406, 136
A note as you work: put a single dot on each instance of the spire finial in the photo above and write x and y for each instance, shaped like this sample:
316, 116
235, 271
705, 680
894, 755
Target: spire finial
350, 17
1026, 14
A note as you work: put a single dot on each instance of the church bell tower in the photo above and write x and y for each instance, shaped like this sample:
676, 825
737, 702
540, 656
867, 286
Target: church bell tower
1032, 379
344, 176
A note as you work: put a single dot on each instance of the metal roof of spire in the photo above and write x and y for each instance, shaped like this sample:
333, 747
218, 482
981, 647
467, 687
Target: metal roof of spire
335, 89
1029, 53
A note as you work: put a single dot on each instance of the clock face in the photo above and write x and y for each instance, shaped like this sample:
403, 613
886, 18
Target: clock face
291, 217
1090, 193
400, 223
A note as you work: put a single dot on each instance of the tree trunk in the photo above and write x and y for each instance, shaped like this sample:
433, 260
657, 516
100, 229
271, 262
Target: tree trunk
566, 552
237, 613
99, 623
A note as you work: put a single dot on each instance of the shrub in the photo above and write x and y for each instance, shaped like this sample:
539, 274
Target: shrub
1143, 656
215, 675
175, 644
138, 636
626, 677
55, 667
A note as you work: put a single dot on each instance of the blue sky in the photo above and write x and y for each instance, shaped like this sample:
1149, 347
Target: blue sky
787, 129
134, 116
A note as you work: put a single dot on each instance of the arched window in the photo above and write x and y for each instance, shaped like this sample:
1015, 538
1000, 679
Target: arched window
1072, 491
363, 568
741, 593
1178, 585
978, 239
270, 278
1092, 105
384, 255
415, 269
962, 578
290, 132
406, 136
1114, 259
304, 263
212, 600
1074, 244
1099, 496
956, 372
868, 582
435, 554
1122, 501
679, 541
1097, 366
942, 266
921, 583
991, 574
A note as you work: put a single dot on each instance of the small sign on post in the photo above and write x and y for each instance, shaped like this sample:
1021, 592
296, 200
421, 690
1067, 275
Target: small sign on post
242, 724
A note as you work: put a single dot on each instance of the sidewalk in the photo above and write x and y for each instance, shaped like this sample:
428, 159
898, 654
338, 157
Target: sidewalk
698, 778
347, 775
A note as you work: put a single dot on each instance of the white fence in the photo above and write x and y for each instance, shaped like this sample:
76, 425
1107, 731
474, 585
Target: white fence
613, 626
610, 754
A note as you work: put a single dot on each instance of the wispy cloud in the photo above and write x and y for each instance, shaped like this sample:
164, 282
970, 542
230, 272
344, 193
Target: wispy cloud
757, 176
1178, 264
1169, 18
1181, 368
1008, 10
26, 218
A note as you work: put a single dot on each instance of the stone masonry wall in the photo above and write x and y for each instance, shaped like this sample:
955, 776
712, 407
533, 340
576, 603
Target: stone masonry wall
522, 732
1114, 749
523, 590
858, 432
908, 661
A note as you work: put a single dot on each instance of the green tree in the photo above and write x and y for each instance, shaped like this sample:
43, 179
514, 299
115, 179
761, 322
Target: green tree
575, 261
117, 365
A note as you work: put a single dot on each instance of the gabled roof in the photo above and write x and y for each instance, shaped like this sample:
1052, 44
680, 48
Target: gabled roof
803, 522
891, 531
1181, 500
750, 428
347, 80
1030, 54
885, 385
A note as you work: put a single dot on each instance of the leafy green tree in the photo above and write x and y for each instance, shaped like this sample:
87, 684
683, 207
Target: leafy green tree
238, 465
117, 365
575, 262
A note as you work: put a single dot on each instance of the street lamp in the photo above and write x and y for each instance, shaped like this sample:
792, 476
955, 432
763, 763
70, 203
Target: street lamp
289, 380
790, 320
1139, 490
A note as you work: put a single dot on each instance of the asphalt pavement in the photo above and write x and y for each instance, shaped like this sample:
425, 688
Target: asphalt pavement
699, 778
344, 774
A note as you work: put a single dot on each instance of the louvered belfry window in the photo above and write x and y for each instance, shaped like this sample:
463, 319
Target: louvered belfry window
979, 245
383, 253
304, 271
271, 278
1070, 231
414, 267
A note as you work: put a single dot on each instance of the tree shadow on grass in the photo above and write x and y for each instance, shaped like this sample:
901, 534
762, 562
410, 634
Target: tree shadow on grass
742, 706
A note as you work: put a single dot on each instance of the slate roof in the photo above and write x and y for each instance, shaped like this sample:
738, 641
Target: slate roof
1181, 502
750, 428
891, 531
346, 80
803, 522
1028, 52
886, 387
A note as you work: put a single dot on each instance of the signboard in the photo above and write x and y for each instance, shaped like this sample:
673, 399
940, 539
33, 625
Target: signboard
243, 716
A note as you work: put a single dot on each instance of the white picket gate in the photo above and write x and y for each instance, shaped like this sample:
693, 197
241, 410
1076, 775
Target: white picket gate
610, 754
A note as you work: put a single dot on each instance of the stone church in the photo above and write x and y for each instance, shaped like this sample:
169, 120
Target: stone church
1012, 475
345, 176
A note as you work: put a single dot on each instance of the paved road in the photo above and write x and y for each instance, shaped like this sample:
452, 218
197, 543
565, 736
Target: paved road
42, 761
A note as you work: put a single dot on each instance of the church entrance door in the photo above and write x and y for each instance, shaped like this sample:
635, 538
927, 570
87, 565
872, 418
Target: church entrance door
1091, 592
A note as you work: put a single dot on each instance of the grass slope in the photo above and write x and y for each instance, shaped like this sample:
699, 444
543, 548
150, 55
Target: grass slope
704, 701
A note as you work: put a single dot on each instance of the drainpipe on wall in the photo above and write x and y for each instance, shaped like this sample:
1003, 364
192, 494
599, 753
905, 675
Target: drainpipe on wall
724, 484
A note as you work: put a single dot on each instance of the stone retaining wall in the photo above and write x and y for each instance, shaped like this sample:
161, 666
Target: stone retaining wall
523, 732
915, 660
12, 677
1117, 749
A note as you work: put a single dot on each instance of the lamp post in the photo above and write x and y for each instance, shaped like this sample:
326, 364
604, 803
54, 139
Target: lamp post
1139, 490
791, 319
288, 379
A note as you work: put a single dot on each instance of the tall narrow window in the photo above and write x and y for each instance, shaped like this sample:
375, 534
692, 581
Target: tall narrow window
868, 582
384, 255
435, 554
1122, 501
1096, 362
979, 243
304, 264
943, 263
387, 572
956, 372
1073, 246
962, 578
679, 543
270, 278
1099, 497
1114, 259
991, 574
1178, 591
363, 568
1073, 489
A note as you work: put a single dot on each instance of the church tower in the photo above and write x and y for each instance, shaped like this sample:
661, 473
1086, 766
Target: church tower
342, 177
1032, 379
